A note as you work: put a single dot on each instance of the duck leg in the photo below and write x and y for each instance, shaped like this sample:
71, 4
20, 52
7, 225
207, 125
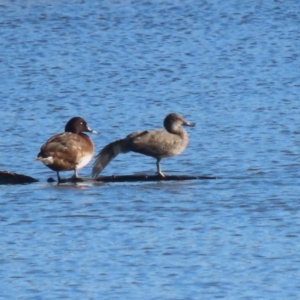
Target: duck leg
75, 177
159, 172
75, 173
58, 177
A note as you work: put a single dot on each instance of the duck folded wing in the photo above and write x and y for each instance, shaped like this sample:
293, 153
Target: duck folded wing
60, 148
156, 143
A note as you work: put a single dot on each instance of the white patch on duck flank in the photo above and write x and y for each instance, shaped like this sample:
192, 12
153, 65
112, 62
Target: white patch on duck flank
84, 161
47, 160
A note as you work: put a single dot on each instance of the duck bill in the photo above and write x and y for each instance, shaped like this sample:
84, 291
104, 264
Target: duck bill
192, 124
91, 130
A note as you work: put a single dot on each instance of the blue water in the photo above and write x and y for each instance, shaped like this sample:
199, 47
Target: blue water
230, 66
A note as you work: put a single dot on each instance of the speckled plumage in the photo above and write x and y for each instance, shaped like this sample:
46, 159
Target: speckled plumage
71, 150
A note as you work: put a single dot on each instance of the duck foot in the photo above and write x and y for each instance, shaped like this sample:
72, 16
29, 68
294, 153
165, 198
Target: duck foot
75, 179
160, 174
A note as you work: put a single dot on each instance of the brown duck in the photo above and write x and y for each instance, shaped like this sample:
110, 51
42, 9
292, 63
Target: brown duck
158, 143
71, 150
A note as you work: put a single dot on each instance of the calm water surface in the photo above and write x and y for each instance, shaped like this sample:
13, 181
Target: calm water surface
233, 68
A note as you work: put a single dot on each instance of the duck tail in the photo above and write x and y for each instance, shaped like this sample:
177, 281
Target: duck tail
108, 153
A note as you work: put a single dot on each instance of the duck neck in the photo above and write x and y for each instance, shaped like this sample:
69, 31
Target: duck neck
178, 130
